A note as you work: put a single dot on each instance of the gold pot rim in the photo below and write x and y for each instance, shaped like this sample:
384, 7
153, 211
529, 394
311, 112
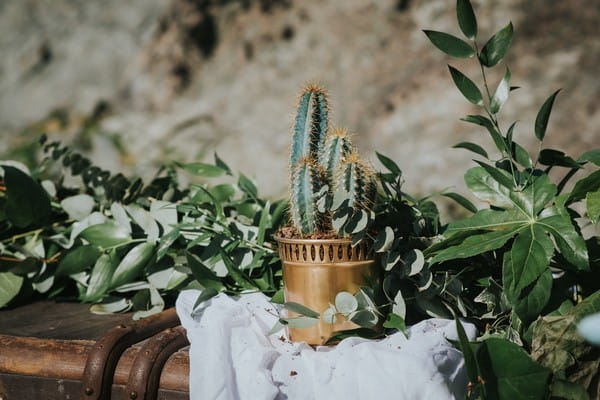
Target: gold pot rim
312, 241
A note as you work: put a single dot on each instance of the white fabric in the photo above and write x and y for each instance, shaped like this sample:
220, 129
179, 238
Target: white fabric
231, 357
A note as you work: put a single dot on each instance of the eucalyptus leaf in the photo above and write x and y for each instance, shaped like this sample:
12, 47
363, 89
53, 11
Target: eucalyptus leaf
466, 86
541, 120
345, 303
496, 47
329, 315
365, 318
300, 309
466, 18
450, 44
79, 206
501, 94
384, 240
475, 148
77, 260
106, 235
415, 260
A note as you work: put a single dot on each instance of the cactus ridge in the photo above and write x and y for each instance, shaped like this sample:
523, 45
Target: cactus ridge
311, 124
337, 147
357, 179
307, 180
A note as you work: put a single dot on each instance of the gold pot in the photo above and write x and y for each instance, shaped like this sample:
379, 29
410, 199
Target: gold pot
315, 271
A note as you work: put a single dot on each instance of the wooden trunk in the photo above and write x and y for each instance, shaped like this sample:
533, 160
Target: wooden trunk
54, 350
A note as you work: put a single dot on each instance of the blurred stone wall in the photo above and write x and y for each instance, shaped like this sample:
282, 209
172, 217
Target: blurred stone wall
180, 79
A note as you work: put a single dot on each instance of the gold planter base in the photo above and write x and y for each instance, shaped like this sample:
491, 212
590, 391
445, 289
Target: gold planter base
315, 271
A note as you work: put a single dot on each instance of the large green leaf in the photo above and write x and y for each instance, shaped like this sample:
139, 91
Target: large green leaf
529, 258
592, 205
494, 220
10, 285
450, 45
466, 86
466, 18
78, 260
475, 148
541, 120
569, 242
534, 298
101, 277
27, 202
509, 373
495, 49
132, 264
202, 169
488, 189
106, 235
474, 245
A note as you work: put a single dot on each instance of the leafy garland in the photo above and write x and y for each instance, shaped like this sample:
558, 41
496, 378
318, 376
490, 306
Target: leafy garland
521, 270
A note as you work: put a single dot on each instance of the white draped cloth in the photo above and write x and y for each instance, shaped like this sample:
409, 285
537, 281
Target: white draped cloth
233, 357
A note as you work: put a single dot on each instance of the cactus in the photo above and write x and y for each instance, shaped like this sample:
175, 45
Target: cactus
322, 161
337, 147
356, 180
311, 124
308, 179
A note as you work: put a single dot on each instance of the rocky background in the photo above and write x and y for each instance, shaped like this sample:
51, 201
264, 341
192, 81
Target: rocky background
139, 83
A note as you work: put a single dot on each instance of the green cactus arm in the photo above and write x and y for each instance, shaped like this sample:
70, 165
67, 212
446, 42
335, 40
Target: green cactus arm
311, 124
337, 146
357, 181
307, 181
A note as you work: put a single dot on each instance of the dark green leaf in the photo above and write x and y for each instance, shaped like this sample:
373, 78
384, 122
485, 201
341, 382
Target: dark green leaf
239, 276
202, 169
389, 164
10, 285
509, 373
541, 120
466, 86
488, 124
475, 148
205, 276
300, 309
499, 175
501, 94
590, 183
463, 201
247, 186
206, 294
521, 155
221, 164
106, 235
132, 264
384, 240
101, 277
469, 356
450, 45
27, 202
565, 390
493, 220
278, 297
557, 158
534, 298
488, 189
529, 258
495, 49
78, 260
466, 18
569, 242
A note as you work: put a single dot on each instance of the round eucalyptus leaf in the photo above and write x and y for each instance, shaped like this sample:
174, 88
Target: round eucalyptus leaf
589, 328
301, 322
345, 303
79, 206
329, 315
